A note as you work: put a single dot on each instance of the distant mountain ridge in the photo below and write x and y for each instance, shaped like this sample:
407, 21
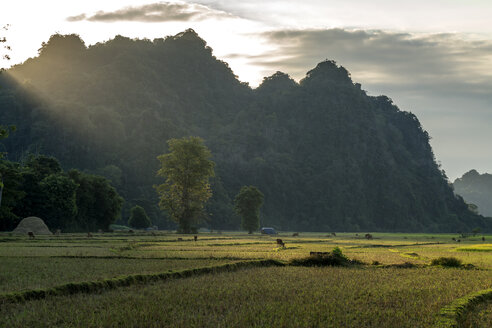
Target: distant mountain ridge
476, 188
327, 156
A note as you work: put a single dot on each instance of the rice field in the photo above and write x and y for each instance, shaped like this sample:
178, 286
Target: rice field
376, 294
24, 273
481, 317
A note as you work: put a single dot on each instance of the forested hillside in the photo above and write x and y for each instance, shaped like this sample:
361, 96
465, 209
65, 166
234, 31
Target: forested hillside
326, 155
476, 189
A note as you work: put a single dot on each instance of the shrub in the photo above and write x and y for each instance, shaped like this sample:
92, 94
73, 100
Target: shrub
452, 262
138, 218
333, 258
404, 265
338, 253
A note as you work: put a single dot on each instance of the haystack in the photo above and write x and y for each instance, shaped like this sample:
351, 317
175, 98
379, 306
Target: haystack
33, 224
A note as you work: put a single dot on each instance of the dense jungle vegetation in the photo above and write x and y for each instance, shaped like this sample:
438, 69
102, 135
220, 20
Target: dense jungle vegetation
326, 155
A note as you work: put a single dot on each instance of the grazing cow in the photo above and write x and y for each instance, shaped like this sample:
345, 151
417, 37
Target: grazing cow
130, 231
368, 236
31, 235
295, 234
195, 238
454, 239
180, 239
459, 240
483, 238
89, 235
280, 243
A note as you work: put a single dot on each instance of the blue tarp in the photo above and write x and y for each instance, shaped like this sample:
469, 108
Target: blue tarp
268, 231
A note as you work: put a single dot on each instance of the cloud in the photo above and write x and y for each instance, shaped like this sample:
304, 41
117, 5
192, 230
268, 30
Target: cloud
154, 13
381, 59
77, 18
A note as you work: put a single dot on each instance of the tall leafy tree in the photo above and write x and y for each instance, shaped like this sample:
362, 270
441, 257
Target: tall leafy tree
247, 204
187, 169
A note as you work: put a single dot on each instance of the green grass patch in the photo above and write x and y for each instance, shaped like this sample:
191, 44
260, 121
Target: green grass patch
119, 227
476, 248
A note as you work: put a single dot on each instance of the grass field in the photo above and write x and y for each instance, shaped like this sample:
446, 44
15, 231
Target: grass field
377, 294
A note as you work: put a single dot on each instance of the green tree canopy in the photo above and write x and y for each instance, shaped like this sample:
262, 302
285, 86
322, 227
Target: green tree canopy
72, 201
12, 194
247, 204
4, 133
58, 207
187, 169
37, 200
42, 165
138, 218
98, 203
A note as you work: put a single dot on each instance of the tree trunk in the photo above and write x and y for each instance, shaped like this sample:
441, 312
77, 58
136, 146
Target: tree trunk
185, 223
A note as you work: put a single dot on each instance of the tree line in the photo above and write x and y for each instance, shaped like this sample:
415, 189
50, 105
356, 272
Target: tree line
70, 201
75, 201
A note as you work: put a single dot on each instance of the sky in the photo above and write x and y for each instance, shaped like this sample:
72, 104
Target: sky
433, 58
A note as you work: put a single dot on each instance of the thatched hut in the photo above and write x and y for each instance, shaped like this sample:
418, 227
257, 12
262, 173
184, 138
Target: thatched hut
32, 224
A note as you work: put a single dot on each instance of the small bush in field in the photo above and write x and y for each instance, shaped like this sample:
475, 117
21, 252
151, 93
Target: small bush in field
451, 262
333, 258
139, 218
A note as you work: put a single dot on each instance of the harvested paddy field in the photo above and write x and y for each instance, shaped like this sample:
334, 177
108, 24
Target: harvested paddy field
19, 274
157, 281
480, 317
272, 297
